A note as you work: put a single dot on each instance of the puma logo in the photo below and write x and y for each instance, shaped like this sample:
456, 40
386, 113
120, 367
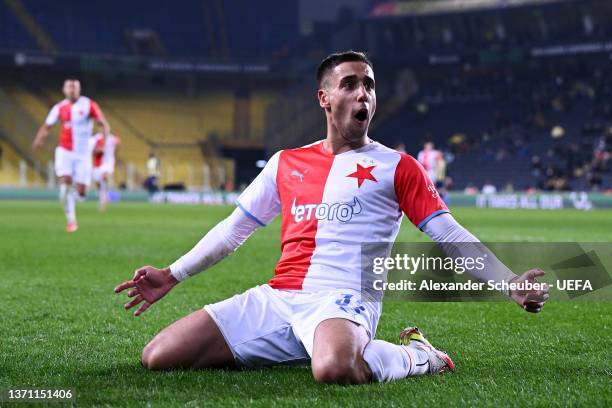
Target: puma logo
296, 173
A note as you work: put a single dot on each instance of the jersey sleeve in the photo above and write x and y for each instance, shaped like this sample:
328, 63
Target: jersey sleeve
416, 194
94, 110
260, 200
53, 116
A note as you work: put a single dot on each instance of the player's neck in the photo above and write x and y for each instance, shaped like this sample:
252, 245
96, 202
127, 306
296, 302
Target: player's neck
336, 144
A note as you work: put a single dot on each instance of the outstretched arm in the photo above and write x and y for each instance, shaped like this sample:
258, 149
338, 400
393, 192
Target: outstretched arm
258, 205
103, 123
43, 131
459, 242
41, 136
97, 114
220, 241
150, 284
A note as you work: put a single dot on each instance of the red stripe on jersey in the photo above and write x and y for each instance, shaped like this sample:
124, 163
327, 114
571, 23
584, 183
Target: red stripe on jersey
65, 116
97, 159
98, 152
94, 110
301, 176
416, 194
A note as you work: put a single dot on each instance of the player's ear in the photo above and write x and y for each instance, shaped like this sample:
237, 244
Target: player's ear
323, 99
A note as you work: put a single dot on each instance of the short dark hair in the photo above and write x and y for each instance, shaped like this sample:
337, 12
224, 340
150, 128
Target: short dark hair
333, 60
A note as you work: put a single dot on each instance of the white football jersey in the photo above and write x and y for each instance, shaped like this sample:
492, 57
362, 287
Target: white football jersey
77, 124
332, 204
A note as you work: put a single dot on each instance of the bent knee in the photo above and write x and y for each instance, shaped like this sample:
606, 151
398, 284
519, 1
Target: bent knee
154, 357
338, 371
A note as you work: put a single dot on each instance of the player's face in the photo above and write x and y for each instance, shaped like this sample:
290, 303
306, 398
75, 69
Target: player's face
72, 89
349, 96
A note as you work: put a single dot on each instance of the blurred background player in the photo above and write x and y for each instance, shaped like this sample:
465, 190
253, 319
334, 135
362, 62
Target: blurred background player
153, 167
73, 153
103, 157
430, 158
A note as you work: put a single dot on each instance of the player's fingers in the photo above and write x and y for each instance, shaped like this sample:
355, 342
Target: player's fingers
132, 292
534, 307
139, 272
133, 302
543, 294
124, 286
535, 273
537, 296
534, 310
142, 309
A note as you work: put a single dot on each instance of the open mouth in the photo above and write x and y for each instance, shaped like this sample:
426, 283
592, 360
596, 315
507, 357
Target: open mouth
362, 115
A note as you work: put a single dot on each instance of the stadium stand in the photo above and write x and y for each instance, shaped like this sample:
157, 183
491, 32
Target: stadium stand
18, 127
13, 34
475, 81
545, 140
44, 42
14, 170
173, 118
203, 30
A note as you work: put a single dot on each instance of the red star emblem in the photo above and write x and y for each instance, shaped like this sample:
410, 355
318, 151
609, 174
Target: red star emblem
363, 173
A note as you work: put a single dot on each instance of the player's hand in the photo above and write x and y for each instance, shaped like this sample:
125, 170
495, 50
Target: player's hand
37, 143
148, 285
530, 300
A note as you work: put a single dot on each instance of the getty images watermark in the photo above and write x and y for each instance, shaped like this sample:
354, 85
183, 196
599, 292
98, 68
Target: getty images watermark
463, 271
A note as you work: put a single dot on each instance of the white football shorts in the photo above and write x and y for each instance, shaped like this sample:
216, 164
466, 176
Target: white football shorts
265, 326
70, 164
99, 171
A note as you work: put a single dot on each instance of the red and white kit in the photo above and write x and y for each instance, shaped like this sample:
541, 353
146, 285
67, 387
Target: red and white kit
330, 206
73, 154
103, 155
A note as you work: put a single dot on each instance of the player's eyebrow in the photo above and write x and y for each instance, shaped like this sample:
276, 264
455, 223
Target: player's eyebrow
350, 78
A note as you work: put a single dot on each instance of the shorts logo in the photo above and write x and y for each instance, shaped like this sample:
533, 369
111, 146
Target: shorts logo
348, 304
343, 212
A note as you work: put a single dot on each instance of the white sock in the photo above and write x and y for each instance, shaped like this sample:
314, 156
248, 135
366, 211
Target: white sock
103, 193
69, 206
390, 362
63, 192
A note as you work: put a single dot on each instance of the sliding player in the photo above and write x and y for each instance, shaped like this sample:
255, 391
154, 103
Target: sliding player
333, 195
76, 114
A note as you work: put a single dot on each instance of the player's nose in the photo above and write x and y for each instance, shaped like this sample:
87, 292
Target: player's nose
362, 94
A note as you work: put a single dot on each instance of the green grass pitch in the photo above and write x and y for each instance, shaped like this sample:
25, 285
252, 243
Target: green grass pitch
61, 325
